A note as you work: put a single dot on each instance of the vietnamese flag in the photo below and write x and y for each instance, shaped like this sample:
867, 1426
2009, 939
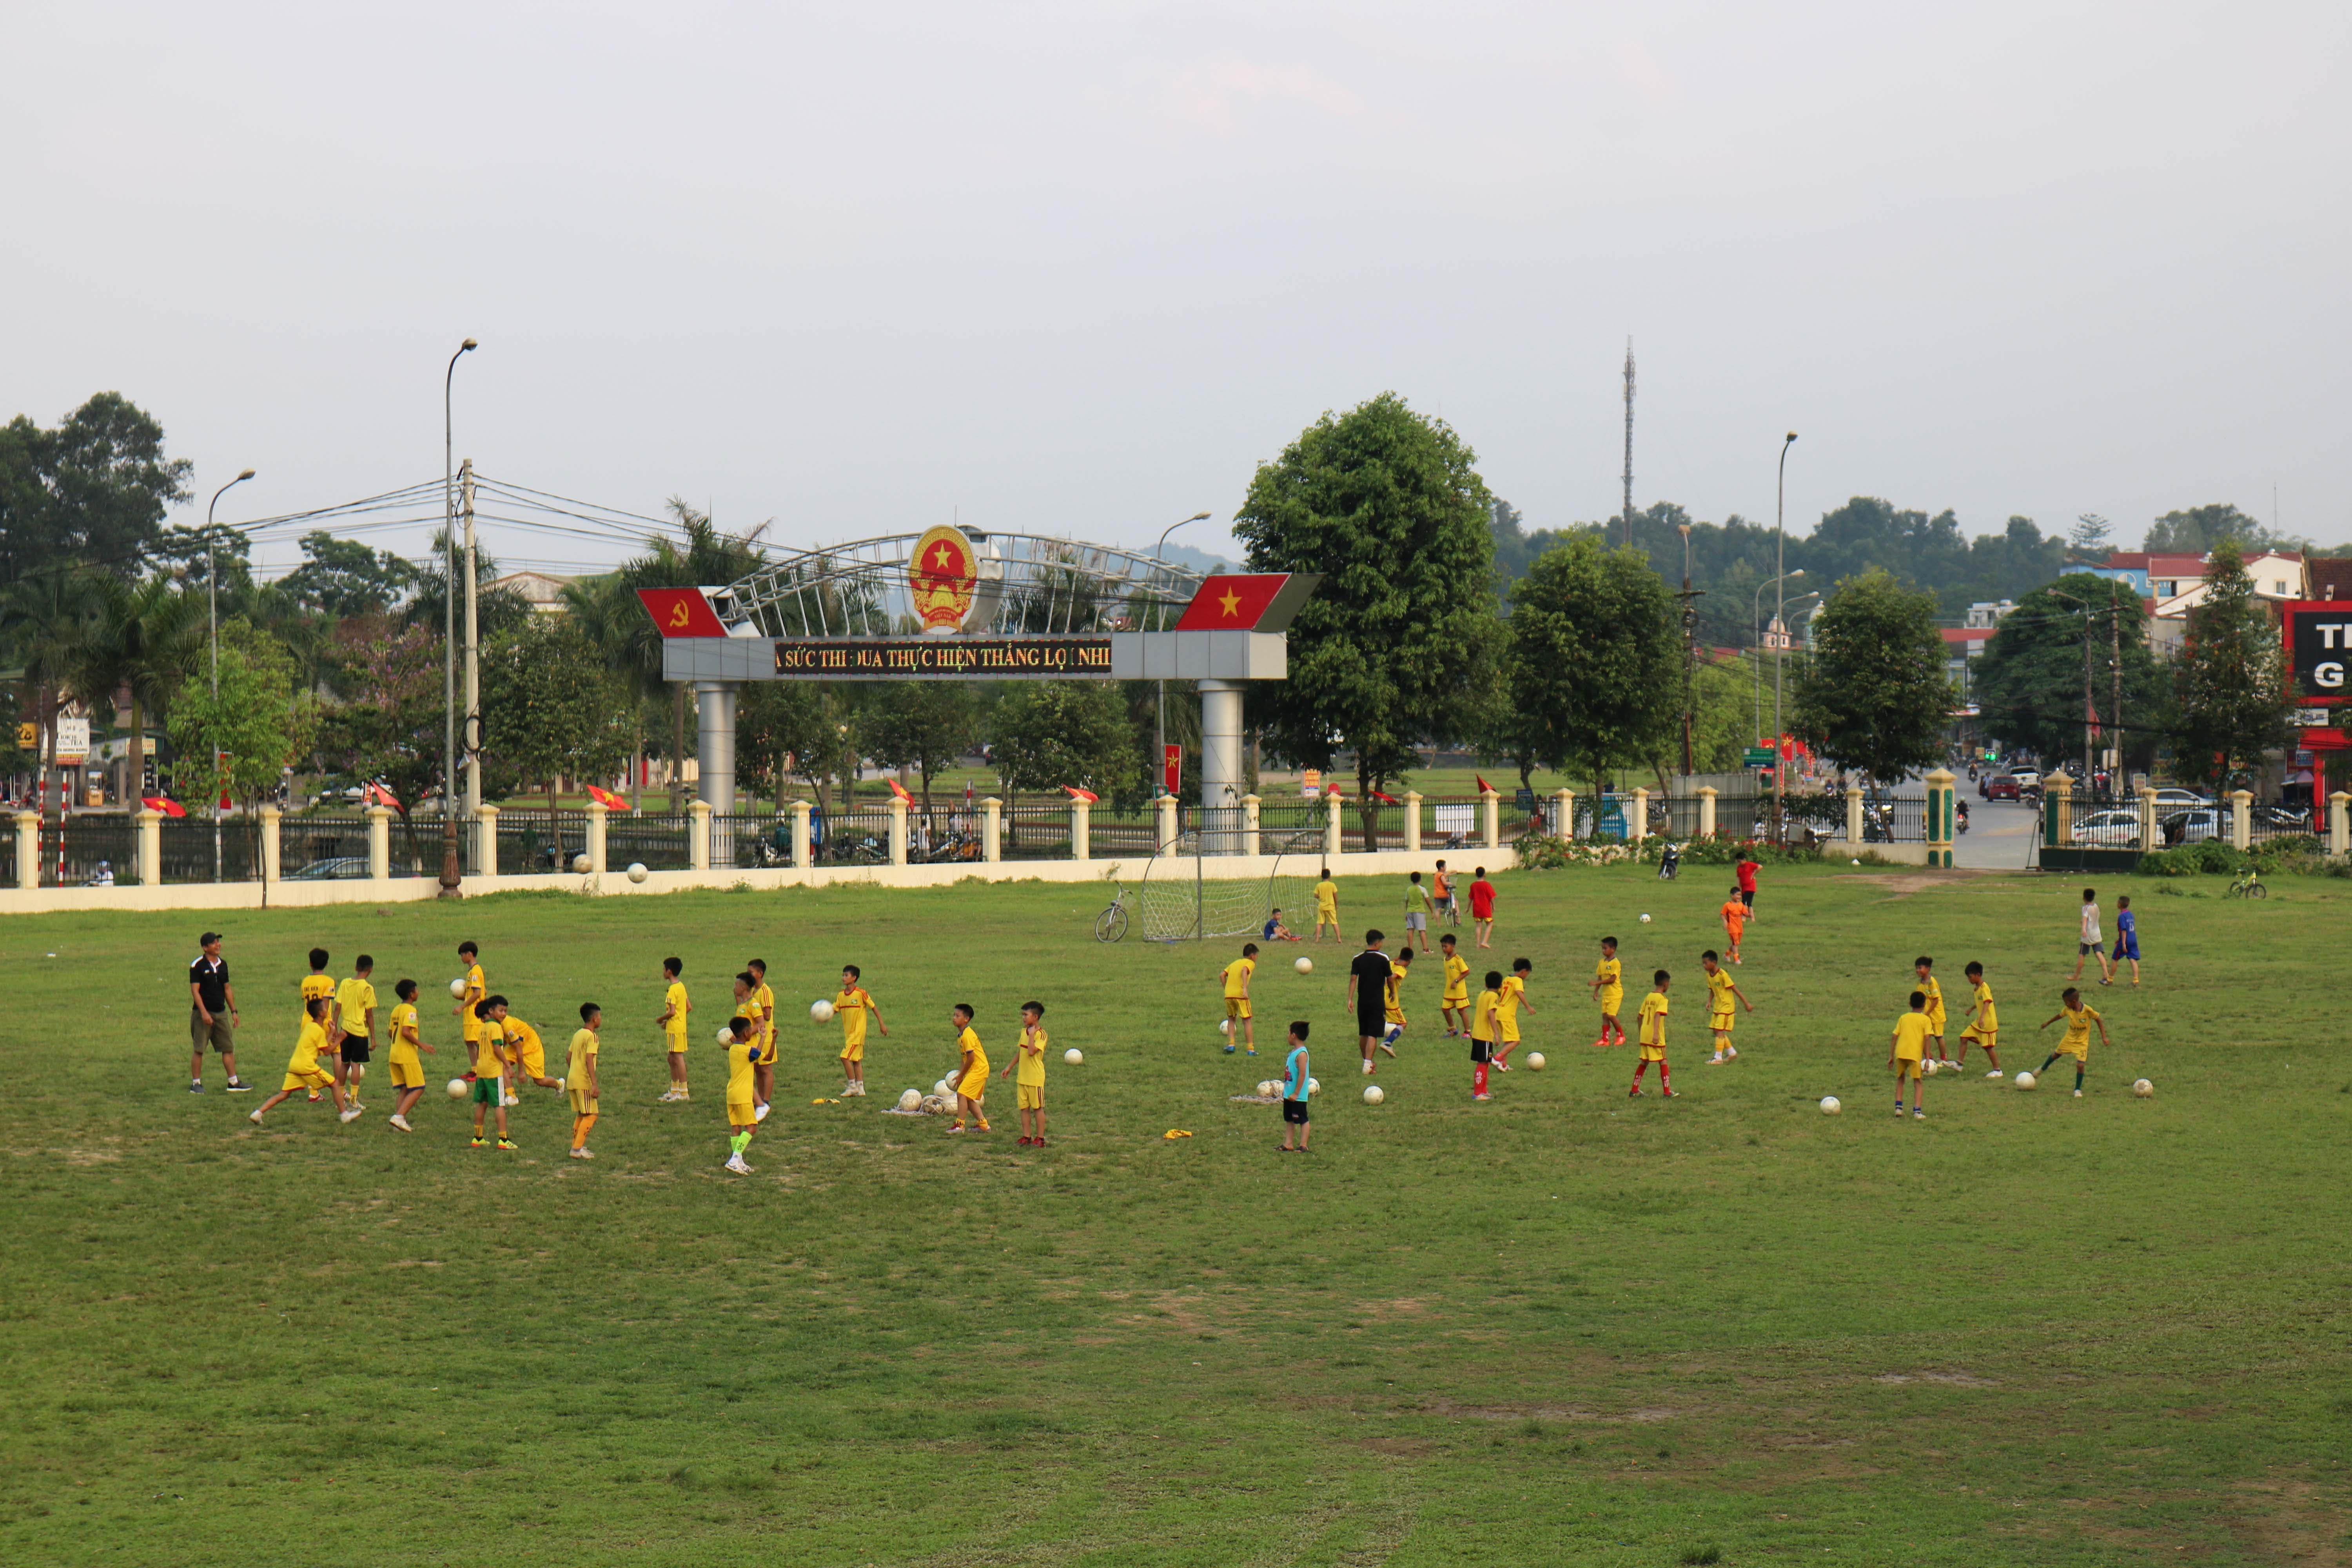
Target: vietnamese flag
163, 803
1075, 792
607, 799
1231, 602
1483, 787
1388, 798
899, 790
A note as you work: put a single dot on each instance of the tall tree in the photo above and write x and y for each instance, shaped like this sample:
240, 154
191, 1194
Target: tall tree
550, 707
145, 639
922, 724
1387, 504
1048, 733
2029, 681
2232, 679
239, 741
92, 491
43, 622
1875, 697
780, 729
1595, 660
389, 727
346, 577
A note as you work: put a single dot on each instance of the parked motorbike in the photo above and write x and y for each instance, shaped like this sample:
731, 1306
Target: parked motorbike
1670, 863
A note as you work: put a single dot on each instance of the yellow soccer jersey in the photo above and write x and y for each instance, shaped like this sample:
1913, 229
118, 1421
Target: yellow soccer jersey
475, 989
741, 1091
1392, 995
674, 999
1911, 1032
1987, 1022
765, 998
1934, 1003
750, 1008
315, 987
1610, 976
524, 1047
2078, 1029
1719, 999
1238, 977
1031, 1071
307, 1046
1654, 1019
1506, 1009
968, 1041
490, 1059
1326, 899
1482, 1017
1457, 981
850, 1006
403, 1029
354, 1000
580, 1058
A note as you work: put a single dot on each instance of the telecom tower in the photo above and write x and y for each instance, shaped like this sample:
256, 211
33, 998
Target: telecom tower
1629, 442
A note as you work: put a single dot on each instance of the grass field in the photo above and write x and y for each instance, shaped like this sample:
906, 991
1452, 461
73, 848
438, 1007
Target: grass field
1560, 1328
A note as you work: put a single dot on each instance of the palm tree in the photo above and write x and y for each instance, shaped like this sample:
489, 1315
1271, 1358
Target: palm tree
43, 622
145, 639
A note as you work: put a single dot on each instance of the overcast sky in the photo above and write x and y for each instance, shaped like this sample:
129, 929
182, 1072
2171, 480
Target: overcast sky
1079, 268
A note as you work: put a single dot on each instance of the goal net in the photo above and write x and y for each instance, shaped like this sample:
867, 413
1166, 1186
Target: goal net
1184, 899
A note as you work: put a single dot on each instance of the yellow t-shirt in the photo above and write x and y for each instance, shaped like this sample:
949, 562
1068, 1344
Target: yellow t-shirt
1030, 1070
475, 989
2077, 1042
354, 1000
404, 1032
765, 999
1482, 1017
1934, 1003
524, 1047
749, 1007
1653, 1023
742, 1092
1327, 900
1238, 977
1457, 981
1609, 974
580, 1058
307, 1046
968, 1041
1719, 1000
491, 1058
1987, 1021
850, 1006
1393, 994
674, 999
315, 987
1507, 1008
1911, 1032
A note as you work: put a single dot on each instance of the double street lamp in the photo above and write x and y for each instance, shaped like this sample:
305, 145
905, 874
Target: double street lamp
451, 874
1781, 614
1159, 724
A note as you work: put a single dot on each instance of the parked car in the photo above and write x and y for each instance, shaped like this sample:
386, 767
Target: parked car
2173, 797
329, 870
2027, 778
2110, 829
2195, 826
2002, 786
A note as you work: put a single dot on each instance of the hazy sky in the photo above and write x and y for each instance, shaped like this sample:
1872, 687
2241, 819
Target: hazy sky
1079, 268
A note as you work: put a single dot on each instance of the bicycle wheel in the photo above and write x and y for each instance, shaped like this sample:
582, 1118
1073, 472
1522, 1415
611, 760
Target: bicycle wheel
1111, 924
2258, 891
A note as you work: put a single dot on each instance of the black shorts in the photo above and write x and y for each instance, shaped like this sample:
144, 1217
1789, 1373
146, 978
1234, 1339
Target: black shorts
1747, 897
1295, 1110
355, 1049
1376, 1024
1481, 1051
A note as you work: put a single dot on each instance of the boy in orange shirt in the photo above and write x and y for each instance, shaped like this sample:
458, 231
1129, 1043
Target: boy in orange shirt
1735, 921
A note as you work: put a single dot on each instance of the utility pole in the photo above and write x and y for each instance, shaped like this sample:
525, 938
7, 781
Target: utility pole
469, 738
1629, 443
453, 874
2115, 678
1689, 596
1780, 619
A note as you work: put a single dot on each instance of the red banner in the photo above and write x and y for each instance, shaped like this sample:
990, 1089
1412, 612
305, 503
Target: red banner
681, 612
1234, 603
1171, 768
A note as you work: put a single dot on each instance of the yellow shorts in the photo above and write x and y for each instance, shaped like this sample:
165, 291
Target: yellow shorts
743, 1112
1457, 999
1033, 1095
583, 1103
1982, 1036
315, 1078
1907, 1065
2079, 1049
1237, 1007
854, 1052
1936, 1024
1719, 1021
1510, 1034
1394, 1016
1612, 1000
1326, 914
768, 1052
974, 1086
407, 1071
533, 1065
1652, 1053
674, 1043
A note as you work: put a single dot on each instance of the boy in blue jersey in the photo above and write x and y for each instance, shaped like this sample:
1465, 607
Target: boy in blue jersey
2126, 938
1295, 1079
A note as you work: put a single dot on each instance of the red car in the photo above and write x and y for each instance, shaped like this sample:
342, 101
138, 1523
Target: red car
2001, 787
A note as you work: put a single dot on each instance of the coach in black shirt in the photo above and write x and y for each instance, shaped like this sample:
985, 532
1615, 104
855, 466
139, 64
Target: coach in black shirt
212, 1015
1367, 988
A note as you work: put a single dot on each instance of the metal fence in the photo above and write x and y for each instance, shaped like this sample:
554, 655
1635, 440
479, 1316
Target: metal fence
328, 847
658, 843
529, 844
188, 849
857, 838
92, 842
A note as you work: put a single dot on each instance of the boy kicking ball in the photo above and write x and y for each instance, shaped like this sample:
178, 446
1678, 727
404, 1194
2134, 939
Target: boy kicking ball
407, 1067
971, 1070
303, 1072
1985, 1026
1029, 1061
1392, 1001
1652, 1046
1722, 991
1908, 1054
2076, 1041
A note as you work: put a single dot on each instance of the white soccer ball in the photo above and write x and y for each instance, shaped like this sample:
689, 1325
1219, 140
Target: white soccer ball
457, 987
1073, 1055
2142, 1089
942, 1086
726, 1036
1535, 1061
638, 872
579, 863
1266, 1086
1314, 1086
912, 1100
820, 1011
1645, 919
1928, 1067
1374, 1094
1857, 861
1225, 1025
1830, 1106
458, 1088
1304, 966
2023, 1081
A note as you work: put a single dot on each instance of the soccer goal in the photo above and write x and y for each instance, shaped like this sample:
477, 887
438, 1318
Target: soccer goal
1184, 901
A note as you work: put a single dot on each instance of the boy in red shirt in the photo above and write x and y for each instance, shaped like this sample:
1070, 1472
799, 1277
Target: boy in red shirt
1746, 871
1482, 908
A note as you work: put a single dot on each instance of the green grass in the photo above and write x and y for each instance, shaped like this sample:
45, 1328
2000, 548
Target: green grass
1560, 1328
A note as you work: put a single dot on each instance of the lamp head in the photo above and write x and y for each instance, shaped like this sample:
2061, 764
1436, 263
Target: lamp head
1198, 517
244, 475
468, 345
1792, 435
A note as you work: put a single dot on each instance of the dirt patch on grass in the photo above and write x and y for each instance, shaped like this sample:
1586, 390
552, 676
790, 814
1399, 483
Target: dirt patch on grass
1903, 884
2292, 1520
1954, 1379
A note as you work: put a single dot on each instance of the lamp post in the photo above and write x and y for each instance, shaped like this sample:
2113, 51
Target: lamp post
1159, 724
451, 875
1756, 623
211, 618
1779, 612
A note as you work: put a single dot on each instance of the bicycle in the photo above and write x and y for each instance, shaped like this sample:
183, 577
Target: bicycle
1111, 924
2249, 885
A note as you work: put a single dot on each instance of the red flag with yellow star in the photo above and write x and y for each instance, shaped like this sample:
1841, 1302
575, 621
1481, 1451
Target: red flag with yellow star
1235, 602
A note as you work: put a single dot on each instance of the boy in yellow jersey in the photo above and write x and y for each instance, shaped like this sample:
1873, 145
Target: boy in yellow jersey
853, 1005
407, 1067
319, 985
1908, 1054
742, 1110
1238, 1027
1935, 994
303, 1068
971, 1070
469, 1001
763, 997
1453, 1006
580, 1077
1984, 1028
1608, 990
1326, 906
1506, 1011
1721, 993
1392, 1001
353, 1030
526, 1052
490, 1090
746, 1006
1652, 1046
672, 1023
1029, 1059
1486, 1025
2076, 1041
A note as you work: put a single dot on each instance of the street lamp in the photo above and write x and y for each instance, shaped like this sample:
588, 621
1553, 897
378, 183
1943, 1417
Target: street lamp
450, 873
1159, 724
211, 618
1755, 624
1779, 612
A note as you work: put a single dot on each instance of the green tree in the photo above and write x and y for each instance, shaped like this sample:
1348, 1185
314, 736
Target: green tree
2199, 530
390, 727
1388, 506
923, 724
1048, 733
2029, 681
145, 639
345, 577
780, 729
45, 621
1595, 661
1875, 697
2232, 679
239, 741
93, 491
551, 707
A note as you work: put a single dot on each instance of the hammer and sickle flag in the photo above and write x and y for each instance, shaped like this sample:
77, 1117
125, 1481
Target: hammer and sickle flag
681, 613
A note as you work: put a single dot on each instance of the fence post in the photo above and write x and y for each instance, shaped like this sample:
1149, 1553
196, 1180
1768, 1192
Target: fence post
1168, 830
1413, 822
1941, 825
1854, 817
149, 858
2058, 809
1333, 829
1564, 804
1252, 844
1494, 817
2241, 818
800, 834
379, 819
1640, 830
1082, 830
272, 845
29, 849
992, 829
2340, 823
1706, 811
485, 840
698, 835
2149, 838
897, 831
597, 813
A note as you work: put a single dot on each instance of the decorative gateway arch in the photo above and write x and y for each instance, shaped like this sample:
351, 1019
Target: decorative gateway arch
955, 604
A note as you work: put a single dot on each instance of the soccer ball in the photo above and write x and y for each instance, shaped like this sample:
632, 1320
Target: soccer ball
638, 872
457, 987
726, 1036
1645, 919
1535, 1061
1225, 1025
457, 1088
912, 1100
1304, 966
1073, 1055
2142, 1089
942, 1088
579, 864
1266, 1086
2023, 1081
1927, 1069
1392, 1034
820, 1011
1314, 1086
1374, 1094
1857, 861
1830, 1106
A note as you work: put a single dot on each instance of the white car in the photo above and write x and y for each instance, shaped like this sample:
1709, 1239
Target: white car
2026, 778
2110, 829
2194, 826
2173, 797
